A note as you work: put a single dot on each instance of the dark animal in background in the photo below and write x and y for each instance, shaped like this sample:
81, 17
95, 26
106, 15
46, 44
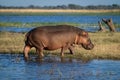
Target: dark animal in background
55, 37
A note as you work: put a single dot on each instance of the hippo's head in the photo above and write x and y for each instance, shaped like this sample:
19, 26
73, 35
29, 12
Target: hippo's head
84, 40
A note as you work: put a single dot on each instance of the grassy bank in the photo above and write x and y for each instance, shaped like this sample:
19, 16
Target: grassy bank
59, 10
34, 24
49, 12
107, 46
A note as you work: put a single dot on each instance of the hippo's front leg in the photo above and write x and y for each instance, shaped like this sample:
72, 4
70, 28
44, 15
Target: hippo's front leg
71, 49
62, 51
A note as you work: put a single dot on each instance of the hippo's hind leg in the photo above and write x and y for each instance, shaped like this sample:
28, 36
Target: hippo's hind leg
26, 51
39, 51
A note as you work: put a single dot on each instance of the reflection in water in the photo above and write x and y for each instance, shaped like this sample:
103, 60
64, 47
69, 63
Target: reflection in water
55, 59
13, 67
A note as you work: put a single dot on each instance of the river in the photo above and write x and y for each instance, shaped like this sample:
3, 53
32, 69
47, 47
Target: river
78, 19
13, 67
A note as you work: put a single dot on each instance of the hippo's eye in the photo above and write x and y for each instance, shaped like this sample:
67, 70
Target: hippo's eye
85, 35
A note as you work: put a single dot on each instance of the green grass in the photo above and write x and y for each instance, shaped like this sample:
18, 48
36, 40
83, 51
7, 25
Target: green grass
107, 46
36, 24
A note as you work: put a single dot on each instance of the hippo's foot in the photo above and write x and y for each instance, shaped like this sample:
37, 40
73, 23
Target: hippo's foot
39, 59
26, 58
40, 56
71, 52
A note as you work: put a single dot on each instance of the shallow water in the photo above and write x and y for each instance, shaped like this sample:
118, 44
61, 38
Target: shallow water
84, 19
15, 29
13, 67
25, 29
78, 19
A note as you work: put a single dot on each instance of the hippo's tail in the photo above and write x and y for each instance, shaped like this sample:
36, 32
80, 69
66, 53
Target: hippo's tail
26, 39
26, 35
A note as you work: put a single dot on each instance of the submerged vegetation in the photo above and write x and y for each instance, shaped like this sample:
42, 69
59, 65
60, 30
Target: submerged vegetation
107, 46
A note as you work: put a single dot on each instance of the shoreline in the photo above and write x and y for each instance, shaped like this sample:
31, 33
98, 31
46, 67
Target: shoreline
59, 10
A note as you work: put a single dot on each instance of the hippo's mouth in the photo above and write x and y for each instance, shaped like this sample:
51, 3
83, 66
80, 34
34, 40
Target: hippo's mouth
88, 47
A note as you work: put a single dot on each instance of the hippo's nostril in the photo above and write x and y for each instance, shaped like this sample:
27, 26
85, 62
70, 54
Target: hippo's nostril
91, 46
88, 47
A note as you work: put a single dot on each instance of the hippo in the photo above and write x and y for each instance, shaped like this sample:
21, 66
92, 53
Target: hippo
56, 37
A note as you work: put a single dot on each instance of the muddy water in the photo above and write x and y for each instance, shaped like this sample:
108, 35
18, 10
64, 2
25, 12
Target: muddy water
13, 67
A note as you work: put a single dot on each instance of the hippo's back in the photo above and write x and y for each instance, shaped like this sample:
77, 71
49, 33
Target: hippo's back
55, 28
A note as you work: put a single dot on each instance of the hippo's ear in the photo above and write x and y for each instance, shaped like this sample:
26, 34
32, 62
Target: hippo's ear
84, 34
